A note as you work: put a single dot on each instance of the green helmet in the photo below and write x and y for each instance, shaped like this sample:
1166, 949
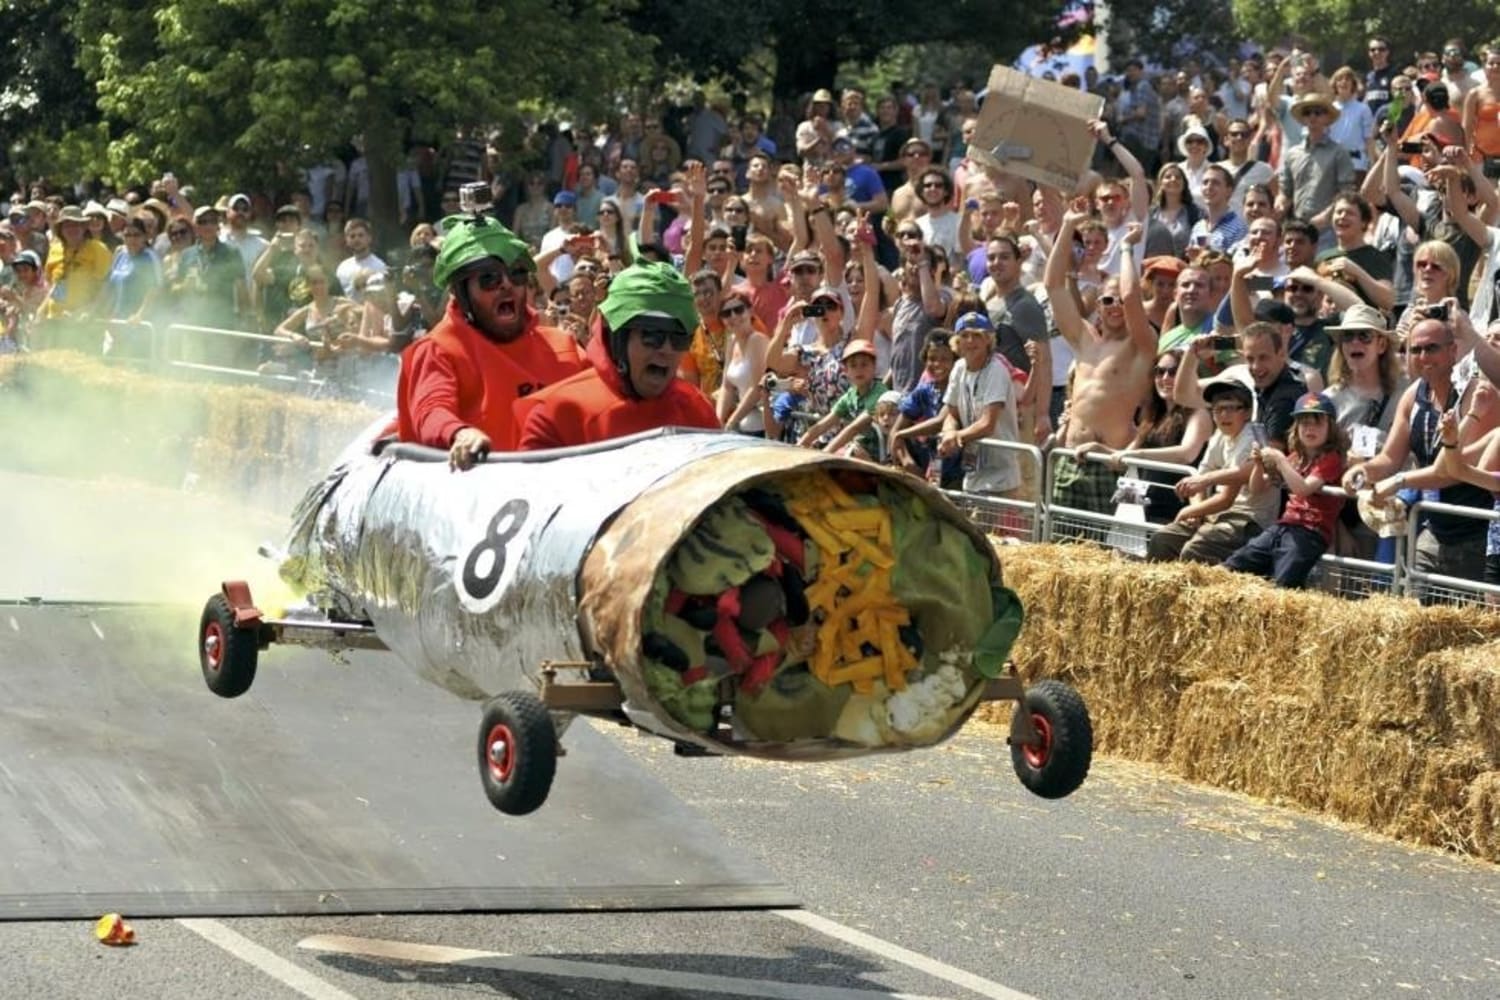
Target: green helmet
650, 288
467, 240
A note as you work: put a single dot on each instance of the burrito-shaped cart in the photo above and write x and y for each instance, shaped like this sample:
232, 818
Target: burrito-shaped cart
733, 595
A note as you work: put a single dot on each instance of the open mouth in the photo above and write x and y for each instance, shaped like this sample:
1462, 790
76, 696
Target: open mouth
658, 371
505, 310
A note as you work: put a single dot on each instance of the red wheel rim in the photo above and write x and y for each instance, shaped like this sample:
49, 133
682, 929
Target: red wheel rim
213, 645
1038, 753
500, 752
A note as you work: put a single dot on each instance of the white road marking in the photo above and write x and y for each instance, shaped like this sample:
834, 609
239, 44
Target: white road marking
288, 974
896, 953
693, 983
97, 630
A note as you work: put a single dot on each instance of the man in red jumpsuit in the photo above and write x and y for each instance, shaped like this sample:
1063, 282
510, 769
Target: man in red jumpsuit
459, 383
642, 329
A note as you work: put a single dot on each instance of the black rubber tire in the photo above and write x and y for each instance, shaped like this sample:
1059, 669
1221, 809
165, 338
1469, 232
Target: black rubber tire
227, 654
1058, 766
519, 783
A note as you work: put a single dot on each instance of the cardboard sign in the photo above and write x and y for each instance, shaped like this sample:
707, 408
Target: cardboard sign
1035, 128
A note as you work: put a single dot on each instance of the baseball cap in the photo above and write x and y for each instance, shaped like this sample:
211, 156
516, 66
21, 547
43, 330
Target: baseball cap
841, 143
567, 198
28, 257
822, 94
1164, 262
1315, 402
204, 212
240, 202
890, 398
375, 282
973, 321
827, 293
857, 347
288, 211
1227, 383
1274, 311
117, 206
804, 257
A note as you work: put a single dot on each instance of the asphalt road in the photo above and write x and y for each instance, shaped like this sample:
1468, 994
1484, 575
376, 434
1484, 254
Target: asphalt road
922, 874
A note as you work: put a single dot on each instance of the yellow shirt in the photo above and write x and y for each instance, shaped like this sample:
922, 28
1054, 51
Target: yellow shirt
76, 276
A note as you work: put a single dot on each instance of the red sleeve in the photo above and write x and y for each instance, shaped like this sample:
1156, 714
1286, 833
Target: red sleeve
540, 430
428, 400
1328, 467
697, 411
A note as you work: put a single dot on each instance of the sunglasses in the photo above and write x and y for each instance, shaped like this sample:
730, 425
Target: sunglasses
1163, 370
1110, 300
608, 211
1297, 286
806, 269
1428, 265
654, 338
734, 310
912, 153
932, 184
1360, 336
491, 279
1422, 350
1316, 112
174, 233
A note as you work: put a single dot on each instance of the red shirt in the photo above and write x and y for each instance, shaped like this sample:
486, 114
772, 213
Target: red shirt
595, 406
456, 377
1317, 511
767, 302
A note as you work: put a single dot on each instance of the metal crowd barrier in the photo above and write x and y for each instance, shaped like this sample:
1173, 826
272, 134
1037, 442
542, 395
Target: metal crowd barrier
200, 352
1342, 575
1018, 515
1436, 588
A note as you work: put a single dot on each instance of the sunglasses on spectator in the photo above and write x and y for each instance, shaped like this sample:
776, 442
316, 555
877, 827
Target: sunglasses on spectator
1422, 350
1109, 300
606, 210
1164, 370
654, 338
932, 184
912, 153
491, 279
1359, 336
806, 269
1297, 286
1316, 112
1428, 265
173, 233
734, 310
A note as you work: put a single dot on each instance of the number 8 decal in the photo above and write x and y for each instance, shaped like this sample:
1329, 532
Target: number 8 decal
485, 567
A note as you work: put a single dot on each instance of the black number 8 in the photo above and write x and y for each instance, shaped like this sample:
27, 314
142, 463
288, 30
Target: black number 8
495, 540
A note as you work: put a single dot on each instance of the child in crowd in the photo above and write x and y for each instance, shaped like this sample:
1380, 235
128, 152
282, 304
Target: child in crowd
921, 406
1228, 511
860, 398
854, 439
1287, 551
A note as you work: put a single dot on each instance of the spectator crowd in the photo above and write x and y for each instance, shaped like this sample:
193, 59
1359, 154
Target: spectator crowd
1280, 273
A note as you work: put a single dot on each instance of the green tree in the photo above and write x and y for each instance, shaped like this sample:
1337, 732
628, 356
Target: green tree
1338, 29
42, 92
234, 92
810, 41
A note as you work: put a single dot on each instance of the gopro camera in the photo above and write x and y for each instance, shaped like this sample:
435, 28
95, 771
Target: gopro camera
474, 197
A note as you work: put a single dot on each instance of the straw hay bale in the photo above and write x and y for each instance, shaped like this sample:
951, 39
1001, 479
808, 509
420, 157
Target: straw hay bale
1404, 786
1266, 745
1483, 807
244, 441
1471, 682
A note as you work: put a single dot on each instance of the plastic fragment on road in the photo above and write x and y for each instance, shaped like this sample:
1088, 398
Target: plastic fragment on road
111, 929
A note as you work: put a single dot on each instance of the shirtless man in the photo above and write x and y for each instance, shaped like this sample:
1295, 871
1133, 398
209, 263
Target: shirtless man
1112, 372
763, 197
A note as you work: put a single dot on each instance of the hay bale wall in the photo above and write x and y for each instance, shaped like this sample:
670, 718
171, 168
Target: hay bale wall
1379, 711
74, 415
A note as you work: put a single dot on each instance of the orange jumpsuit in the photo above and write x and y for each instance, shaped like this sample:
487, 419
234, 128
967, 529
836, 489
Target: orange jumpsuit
594, 405
456, 377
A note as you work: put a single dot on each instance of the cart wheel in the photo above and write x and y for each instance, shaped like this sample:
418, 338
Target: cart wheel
227, 654
517, 752
1057, 763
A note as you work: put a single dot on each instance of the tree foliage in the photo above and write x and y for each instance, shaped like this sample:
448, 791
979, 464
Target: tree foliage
233, 92
810, 41
1339, 28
